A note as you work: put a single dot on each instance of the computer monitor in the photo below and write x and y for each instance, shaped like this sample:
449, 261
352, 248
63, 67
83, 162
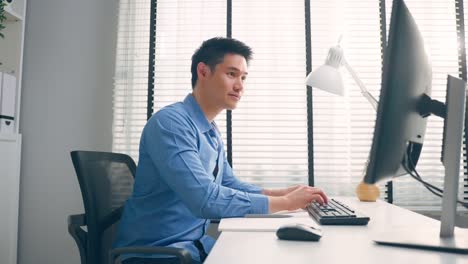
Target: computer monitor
407, 76
400, 126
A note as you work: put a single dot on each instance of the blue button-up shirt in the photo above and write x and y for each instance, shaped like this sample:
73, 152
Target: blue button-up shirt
177, 187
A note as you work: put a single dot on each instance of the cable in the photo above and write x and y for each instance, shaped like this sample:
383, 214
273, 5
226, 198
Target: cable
436, 191
417, 177
433, 189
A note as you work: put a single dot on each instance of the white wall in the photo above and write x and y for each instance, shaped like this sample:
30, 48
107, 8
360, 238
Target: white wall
66, 105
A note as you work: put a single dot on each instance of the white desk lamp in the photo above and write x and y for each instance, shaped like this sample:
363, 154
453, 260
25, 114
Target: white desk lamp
328, 78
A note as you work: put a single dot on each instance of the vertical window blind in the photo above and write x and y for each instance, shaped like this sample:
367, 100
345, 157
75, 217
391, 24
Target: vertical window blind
343, 126
131, 75
269, 127
462, 12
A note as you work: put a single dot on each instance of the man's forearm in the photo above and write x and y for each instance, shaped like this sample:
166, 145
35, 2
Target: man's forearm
276, 204
280, 192
273, 192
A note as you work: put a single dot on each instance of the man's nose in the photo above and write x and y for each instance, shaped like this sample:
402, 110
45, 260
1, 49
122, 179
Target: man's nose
239, 85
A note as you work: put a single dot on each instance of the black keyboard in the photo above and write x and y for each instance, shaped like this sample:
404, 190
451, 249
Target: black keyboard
336, 213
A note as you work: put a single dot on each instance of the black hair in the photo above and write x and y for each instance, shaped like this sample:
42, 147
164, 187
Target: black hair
212, 52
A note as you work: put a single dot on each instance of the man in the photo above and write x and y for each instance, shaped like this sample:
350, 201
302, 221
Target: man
183, 178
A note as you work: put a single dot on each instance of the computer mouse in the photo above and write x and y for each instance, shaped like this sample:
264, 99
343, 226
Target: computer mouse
298, 232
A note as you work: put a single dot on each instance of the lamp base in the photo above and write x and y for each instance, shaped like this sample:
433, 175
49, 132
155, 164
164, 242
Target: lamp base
367, 192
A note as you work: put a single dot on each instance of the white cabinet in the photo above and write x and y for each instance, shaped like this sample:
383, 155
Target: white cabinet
11, 48
11, 61
10, 150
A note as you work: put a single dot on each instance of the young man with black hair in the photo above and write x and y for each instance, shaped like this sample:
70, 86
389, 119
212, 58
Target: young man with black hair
183, 178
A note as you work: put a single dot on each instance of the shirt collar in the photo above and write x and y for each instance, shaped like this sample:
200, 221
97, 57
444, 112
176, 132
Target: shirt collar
196, 113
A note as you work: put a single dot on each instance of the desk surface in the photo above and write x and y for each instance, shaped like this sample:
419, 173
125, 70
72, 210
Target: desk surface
339, 244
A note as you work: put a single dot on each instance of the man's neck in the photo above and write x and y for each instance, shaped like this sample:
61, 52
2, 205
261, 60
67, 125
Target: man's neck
210, 111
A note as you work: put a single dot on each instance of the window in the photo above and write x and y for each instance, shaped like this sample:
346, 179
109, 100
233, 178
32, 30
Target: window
131, 75
269, 128
343, 126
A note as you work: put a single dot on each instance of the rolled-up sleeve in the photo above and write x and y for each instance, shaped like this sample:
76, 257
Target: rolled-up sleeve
172, 146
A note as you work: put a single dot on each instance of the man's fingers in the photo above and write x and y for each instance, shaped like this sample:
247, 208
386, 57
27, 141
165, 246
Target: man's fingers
317, 198
319, 192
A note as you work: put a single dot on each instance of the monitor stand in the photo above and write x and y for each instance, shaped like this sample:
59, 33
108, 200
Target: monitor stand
425, 238
448, 238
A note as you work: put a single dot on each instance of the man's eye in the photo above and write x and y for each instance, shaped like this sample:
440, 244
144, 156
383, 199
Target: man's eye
232, 74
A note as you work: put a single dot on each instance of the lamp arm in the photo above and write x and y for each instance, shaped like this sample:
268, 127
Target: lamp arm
364, 91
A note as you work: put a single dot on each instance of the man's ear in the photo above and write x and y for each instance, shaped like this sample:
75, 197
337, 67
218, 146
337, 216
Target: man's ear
203, 70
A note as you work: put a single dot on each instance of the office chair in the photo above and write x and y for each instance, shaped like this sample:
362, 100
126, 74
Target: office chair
106, 181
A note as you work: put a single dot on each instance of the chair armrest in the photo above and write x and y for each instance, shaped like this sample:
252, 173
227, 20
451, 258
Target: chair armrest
183, 254
75, 222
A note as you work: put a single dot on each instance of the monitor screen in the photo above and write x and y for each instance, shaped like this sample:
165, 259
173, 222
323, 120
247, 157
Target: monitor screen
407, 77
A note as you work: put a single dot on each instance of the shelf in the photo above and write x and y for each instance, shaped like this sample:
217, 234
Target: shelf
12, 15
9, 137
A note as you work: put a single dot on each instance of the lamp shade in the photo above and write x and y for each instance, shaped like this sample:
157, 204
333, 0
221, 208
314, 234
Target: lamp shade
327, 78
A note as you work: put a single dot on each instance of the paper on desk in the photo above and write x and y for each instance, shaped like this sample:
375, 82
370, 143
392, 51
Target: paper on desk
265, 224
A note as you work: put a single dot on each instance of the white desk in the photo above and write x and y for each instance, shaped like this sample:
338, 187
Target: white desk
339, 244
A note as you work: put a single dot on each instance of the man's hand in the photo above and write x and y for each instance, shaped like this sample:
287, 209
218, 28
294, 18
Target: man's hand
297, 198
304, 195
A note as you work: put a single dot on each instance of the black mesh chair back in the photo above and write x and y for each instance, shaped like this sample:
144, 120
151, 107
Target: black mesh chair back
106, 182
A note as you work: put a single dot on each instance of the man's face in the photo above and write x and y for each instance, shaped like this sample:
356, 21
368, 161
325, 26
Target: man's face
224, 86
